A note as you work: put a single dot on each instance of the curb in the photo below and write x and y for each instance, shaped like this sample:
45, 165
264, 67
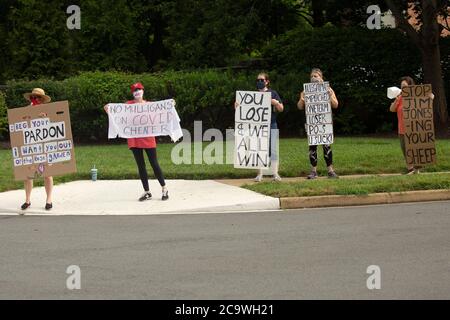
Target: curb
358, 200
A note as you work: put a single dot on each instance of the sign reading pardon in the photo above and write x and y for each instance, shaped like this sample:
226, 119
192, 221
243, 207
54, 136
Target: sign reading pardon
252, 129
419, 126
41, 146
319, 121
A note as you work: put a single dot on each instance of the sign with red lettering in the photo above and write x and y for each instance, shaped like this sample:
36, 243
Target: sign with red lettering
41, 140
419, 126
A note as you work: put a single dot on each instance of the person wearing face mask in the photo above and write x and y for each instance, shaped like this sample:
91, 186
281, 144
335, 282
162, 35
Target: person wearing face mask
397, 106
317, 76
262, 84
148, 144
36, 97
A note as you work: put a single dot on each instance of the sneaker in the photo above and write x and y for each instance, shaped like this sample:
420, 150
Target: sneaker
276, 177
165, 195
410, 172
48, 206
25, 206
313, 175
332, 175
259, 178
146, 196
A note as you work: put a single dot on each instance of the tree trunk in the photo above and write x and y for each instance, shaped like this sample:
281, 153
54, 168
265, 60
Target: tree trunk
317, 11
431, 58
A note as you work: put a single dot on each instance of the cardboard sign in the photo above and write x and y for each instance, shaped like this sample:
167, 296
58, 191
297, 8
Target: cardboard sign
252, 130
419, 126
319, 118
41, 146
140, 120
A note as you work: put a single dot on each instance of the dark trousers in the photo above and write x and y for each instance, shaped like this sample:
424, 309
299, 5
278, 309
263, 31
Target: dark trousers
138, 154
327, 155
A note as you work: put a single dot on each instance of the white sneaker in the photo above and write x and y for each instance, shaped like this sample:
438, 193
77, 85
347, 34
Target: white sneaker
258, 178
145, 196
276, 177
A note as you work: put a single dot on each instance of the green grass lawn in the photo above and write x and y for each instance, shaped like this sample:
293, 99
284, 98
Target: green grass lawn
354, 186
351, 156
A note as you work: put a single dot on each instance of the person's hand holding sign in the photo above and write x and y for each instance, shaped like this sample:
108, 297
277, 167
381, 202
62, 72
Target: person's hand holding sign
278, 106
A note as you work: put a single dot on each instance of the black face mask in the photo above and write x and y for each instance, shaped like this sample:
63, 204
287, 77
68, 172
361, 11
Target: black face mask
260, 84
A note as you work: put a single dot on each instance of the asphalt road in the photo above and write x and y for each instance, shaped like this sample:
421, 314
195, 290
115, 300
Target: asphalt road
297, 254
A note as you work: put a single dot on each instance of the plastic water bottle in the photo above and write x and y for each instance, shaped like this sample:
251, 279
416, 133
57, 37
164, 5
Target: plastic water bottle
94, 174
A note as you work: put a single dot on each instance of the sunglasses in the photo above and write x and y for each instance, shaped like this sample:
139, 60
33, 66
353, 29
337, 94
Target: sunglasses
35, 97
137, 89
260, 80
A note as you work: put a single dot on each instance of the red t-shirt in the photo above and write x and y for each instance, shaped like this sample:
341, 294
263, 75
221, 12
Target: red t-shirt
399, 109
142, 143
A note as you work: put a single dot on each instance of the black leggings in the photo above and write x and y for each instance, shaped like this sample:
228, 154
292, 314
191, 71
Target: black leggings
140, 161
327, 155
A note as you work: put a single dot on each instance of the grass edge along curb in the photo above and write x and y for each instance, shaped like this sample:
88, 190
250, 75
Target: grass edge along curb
370, 199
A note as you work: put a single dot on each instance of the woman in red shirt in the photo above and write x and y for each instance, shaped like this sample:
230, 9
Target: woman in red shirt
148, 144
397, 106
36, 97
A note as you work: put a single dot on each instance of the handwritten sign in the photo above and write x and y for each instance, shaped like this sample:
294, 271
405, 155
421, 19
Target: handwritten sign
252, 129
41, 146
319, 120
419, 126
140, 120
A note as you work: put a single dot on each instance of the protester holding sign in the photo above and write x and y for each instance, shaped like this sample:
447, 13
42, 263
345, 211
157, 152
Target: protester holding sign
397, 106
317, 77
262, 84
37, 97
147, 144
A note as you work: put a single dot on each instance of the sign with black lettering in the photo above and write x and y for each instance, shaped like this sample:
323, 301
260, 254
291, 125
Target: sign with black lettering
419, 126
41, 140
319, 119
147, 119
252, 129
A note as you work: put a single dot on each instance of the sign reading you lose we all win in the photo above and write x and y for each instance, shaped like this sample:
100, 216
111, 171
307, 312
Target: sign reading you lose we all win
419, 126
319, 121
252, 129
41, 146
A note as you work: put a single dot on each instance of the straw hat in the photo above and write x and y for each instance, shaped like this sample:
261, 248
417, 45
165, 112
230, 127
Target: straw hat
38, 92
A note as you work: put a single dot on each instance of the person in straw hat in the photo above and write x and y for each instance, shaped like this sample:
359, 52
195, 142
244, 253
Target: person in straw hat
36, 97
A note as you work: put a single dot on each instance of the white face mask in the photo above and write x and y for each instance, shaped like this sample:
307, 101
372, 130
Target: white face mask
138, 94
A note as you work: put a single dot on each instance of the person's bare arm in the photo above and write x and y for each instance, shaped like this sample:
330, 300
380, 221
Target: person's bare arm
333, 99
279, 107
393, 107
301, 101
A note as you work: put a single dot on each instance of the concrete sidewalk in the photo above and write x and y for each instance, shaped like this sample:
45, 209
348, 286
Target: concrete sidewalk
114, 197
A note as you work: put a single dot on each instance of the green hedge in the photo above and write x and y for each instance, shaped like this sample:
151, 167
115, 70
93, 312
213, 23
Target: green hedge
360, 64
204, 95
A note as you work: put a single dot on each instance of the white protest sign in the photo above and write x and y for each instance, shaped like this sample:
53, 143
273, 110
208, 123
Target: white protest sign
252, 130
319, 119
140, 120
